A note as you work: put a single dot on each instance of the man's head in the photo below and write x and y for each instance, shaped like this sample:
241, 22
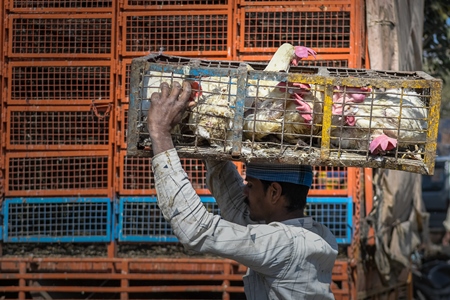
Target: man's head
276, 192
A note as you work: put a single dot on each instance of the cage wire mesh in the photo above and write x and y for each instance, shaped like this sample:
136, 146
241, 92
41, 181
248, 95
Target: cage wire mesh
309, 115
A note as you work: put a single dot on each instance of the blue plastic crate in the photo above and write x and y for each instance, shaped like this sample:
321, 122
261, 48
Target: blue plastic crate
336, 213
57, 220
141, 220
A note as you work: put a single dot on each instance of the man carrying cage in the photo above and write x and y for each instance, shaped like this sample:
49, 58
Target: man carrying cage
262, 225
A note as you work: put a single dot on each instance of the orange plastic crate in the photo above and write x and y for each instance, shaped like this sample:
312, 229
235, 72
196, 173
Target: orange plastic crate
340, 285
184, 33
59, 82
130, 277
57, 128
325, 27
51, 6
176, 5
58, 173
136, 176
61, 35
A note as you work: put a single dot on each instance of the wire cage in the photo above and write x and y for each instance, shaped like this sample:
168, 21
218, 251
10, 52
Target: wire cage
58, 173
308, 115
60, 35
197, 33
59, 82
326, 27
39, 220
56, 128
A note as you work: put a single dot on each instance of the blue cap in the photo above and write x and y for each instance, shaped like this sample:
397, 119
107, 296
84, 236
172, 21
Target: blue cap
297, 174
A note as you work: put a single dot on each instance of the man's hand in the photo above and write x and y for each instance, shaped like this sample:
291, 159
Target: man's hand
446, 239
166, 110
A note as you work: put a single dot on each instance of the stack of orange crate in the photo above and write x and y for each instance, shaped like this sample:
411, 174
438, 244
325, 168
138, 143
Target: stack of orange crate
187, 28
2, 96
334, 30
58, 99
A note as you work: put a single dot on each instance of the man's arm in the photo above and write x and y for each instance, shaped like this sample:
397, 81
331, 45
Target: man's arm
265, 248
227, 185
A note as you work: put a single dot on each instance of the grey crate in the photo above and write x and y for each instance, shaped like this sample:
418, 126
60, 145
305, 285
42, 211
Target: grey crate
404, 105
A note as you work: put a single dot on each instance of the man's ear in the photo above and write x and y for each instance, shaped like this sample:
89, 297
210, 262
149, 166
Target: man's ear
275, 192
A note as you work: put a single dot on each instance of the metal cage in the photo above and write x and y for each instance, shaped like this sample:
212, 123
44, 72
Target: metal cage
235, 100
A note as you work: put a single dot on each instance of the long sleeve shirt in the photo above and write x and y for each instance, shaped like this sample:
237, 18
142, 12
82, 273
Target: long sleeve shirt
292, 259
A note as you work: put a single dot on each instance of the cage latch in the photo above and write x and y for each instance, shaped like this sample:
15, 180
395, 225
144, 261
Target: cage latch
101, 110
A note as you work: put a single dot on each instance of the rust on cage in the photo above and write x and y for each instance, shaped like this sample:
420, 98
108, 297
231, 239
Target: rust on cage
57, 128
193, 33
347, 117
59, 82
58, 173
61, 35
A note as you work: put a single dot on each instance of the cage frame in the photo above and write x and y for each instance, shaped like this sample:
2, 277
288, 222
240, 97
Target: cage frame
321, 76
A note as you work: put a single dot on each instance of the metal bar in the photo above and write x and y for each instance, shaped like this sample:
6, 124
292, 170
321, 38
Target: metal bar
132, 289
124, 282
433, 126
124, 276
22, 282
236, 143
326, 123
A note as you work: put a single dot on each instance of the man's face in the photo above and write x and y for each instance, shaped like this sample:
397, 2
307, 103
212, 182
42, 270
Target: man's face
256, 199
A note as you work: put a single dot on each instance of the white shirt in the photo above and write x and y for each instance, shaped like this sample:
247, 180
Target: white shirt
286, 260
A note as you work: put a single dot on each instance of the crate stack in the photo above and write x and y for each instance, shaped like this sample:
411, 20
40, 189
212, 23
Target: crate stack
187, 28
2, 96
58, 109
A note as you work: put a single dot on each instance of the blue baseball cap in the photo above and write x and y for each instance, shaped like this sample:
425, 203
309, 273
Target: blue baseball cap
297, 174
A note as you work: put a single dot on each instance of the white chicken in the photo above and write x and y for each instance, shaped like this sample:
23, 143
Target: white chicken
291, 120
391, 119
212, 118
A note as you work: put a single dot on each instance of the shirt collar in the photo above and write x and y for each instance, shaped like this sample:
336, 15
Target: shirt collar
305, 222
